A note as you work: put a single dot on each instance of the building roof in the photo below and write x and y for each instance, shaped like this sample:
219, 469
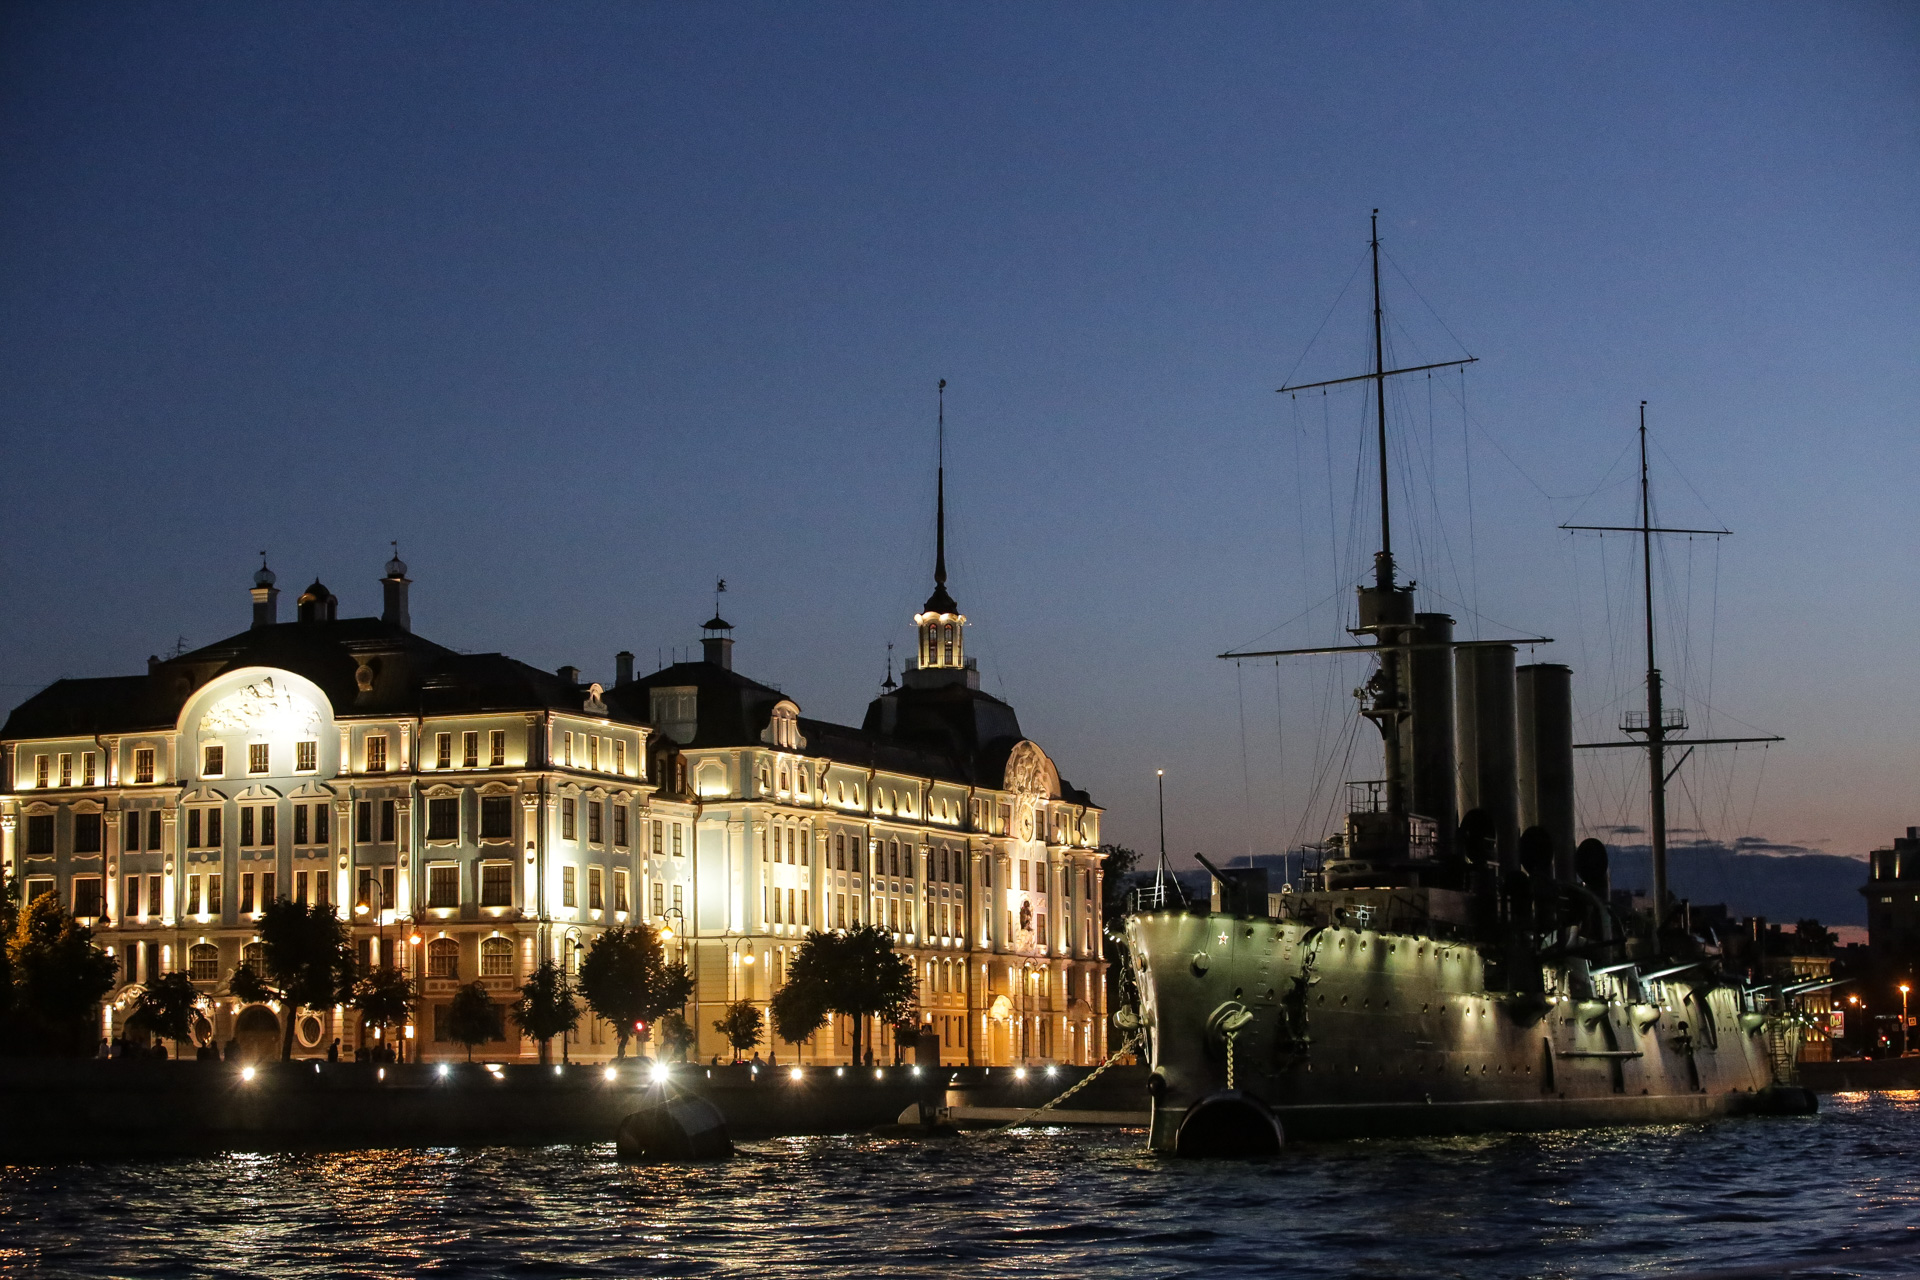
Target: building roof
410, 676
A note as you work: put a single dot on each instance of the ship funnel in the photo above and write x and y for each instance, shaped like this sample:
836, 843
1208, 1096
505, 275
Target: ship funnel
1483, 737
1543, 705
1429, 731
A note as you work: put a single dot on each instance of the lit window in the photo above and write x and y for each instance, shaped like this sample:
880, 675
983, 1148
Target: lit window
620, 755
496, 885
376, 753
66, 769
204, 961
86, 768
257, 756
40, 771
620, 825
496, 958
213, 760
569, 894
619, 890
593, 752
443, 751
596, 889
594, 822
568, 819
443, 958
497, 746
470, 750
306, 756
443, 886
678, 852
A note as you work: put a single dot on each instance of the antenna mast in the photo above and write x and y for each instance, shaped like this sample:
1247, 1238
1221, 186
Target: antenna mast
940, 499
1382, 563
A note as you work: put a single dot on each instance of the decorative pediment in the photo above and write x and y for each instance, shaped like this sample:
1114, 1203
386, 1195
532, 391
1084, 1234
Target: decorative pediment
498, 788
267, 705
312, 791
259, 791
203, 795
441, 791
1030, 775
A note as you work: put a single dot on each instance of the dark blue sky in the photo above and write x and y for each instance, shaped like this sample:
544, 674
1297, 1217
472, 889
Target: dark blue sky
588, 305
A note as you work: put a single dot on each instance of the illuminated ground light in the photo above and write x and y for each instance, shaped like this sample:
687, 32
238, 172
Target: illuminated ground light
1052, 1072
839, 1071
878, 1074
556, 1068
916, 1070
611, 1074
443, 1069
246, 1073
795, 1073
660, 1073
1019, 1073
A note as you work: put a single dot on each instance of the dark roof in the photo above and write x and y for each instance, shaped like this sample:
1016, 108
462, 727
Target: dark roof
412, 676
940, 601
732, 710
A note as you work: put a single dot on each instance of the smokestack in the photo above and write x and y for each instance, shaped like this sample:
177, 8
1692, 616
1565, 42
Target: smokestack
1483, 734
1543, 703
1430, 740
622, 668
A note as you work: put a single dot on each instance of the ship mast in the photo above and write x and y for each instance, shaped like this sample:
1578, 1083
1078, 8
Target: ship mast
1656, 727
1383, 561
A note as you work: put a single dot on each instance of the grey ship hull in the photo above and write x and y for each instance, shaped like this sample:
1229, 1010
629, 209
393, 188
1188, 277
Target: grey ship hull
1353, 1032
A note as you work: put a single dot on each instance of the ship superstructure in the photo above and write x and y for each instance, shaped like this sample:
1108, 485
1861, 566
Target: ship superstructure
1457, 964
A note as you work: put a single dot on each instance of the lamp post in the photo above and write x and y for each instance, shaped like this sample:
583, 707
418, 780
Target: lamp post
1904, 989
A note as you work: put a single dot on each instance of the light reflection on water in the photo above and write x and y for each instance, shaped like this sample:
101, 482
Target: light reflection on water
1738, 1197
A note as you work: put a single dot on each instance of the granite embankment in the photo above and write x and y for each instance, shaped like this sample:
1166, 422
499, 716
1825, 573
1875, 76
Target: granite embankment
51, 1108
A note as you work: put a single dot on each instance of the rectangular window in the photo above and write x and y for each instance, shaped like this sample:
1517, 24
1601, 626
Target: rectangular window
1023, 875
497, 747
469, 750
246, 892
130, 900
300, 824
300, 887
257, 757
193, 829
593, 752
790, 916
204, 963
306, 757
496, 885
596, 889
214, 840
619, 890
569, 894
594, 822
322, 888
443, 751
320, 824
620, 755
387, 814
193, 895
677, 903
86, 833
839, 852
567, 745
387, 899
443, 818
806, 909
213, 760
38, 886
143, 765
620, 826
86, 896
376, 753
443, 886
40, 771
365, 896
363, 822
658, 838
156, 895
659, 898
153, 830
246, 825
496, 817
133, 821
213, 894
86, 768
569, 819
1040, 928
66, 769
840, 910
678, 852
268, 836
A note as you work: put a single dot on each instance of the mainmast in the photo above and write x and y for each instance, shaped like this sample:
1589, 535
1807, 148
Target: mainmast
1383, 560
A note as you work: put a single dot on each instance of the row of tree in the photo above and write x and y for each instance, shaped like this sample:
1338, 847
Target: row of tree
53, 978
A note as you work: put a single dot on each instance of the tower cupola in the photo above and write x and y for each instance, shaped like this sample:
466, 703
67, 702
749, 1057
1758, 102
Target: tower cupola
393, 592
716, 633
316, 603
266, 596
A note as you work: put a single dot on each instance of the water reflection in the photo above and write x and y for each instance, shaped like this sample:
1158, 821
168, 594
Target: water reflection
1049, 1202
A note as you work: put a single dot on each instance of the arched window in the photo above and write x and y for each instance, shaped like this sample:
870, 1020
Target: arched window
443, 958
254, 956
496, 957
946, 646
203, 960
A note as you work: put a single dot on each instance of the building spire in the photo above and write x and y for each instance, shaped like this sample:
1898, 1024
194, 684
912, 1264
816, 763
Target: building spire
940, 601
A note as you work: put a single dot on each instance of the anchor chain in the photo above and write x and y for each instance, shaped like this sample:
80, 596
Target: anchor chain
1231, 1037
1088, 1079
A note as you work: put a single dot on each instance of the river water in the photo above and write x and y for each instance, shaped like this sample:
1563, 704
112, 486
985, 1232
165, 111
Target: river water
1834, 1195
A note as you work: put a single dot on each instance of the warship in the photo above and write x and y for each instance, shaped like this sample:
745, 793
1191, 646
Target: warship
1457, 963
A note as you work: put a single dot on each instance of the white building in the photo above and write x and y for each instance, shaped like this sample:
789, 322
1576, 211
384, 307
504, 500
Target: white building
469, 813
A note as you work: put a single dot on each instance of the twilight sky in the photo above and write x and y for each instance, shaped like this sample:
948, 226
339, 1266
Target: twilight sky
588, 305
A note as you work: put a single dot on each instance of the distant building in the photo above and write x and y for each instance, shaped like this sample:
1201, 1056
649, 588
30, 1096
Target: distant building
1893, 899
468, 814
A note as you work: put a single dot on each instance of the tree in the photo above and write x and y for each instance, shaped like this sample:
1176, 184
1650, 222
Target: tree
546, 1007
307, 964
58, 978
471, 1017
626, 979
1811, 938
739, 1022
676, 1036
168, 1008
797, 1013
856, 973
1116, 870
385, 999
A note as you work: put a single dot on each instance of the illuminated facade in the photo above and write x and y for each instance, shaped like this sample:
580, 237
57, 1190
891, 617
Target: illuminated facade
468, 813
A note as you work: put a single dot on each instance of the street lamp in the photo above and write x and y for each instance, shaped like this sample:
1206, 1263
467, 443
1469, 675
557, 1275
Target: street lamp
1904, 988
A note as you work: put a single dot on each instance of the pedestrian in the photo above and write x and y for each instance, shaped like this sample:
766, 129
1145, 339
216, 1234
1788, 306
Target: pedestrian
333, 1050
